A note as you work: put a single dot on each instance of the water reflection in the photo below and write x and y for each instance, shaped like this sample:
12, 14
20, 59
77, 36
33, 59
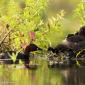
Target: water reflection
42, 76
75, 76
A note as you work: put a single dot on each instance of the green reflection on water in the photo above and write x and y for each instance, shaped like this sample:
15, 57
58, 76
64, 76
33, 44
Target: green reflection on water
41, 76
22, 76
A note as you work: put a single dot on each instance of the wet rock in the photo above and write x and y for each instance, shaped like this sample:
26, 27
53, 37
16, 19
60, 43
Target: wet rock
5, 58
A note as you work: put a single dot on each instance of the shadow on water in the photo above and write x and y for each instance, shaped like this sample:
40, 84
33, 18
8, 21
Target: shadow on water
10, 75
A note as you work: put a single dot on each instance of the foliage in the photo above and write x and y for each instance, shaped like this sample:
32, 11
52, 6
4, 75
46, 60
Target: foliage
30, 15
79, 12
24, 16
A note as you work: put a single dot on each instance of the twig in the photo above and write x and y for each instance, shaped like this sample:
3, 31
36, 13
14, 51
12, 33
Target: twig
5, 36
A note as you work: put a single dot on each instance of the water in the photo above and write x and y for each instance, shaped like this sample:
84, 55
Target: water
11, 75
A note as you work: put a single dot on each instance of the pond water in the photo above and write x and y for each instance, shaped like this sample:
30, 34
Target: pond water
11, 75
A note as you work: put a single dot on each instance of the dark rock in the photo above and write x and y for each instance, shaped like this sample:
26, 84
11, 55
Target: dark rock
73, 44
5, 58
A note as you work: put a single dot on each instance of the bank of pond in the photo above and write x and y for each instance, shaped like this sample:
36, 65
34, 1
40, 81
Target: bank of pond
70, 52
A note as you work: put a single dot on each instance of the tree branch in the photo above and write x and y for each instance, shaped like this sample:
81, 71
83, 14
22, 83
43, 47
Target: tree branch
5, 36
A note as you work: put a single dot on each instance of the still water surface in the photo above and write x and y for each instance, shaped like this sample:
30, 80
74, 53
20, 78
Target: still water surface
41, 76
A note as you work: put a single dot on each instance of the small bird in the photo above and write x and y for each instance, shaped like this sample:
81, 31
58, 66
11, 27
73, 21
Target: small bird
27, 48
26, 54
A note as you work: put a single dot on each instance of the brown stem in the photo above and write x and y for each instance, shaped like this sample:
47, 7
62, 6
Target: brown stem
5, 36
